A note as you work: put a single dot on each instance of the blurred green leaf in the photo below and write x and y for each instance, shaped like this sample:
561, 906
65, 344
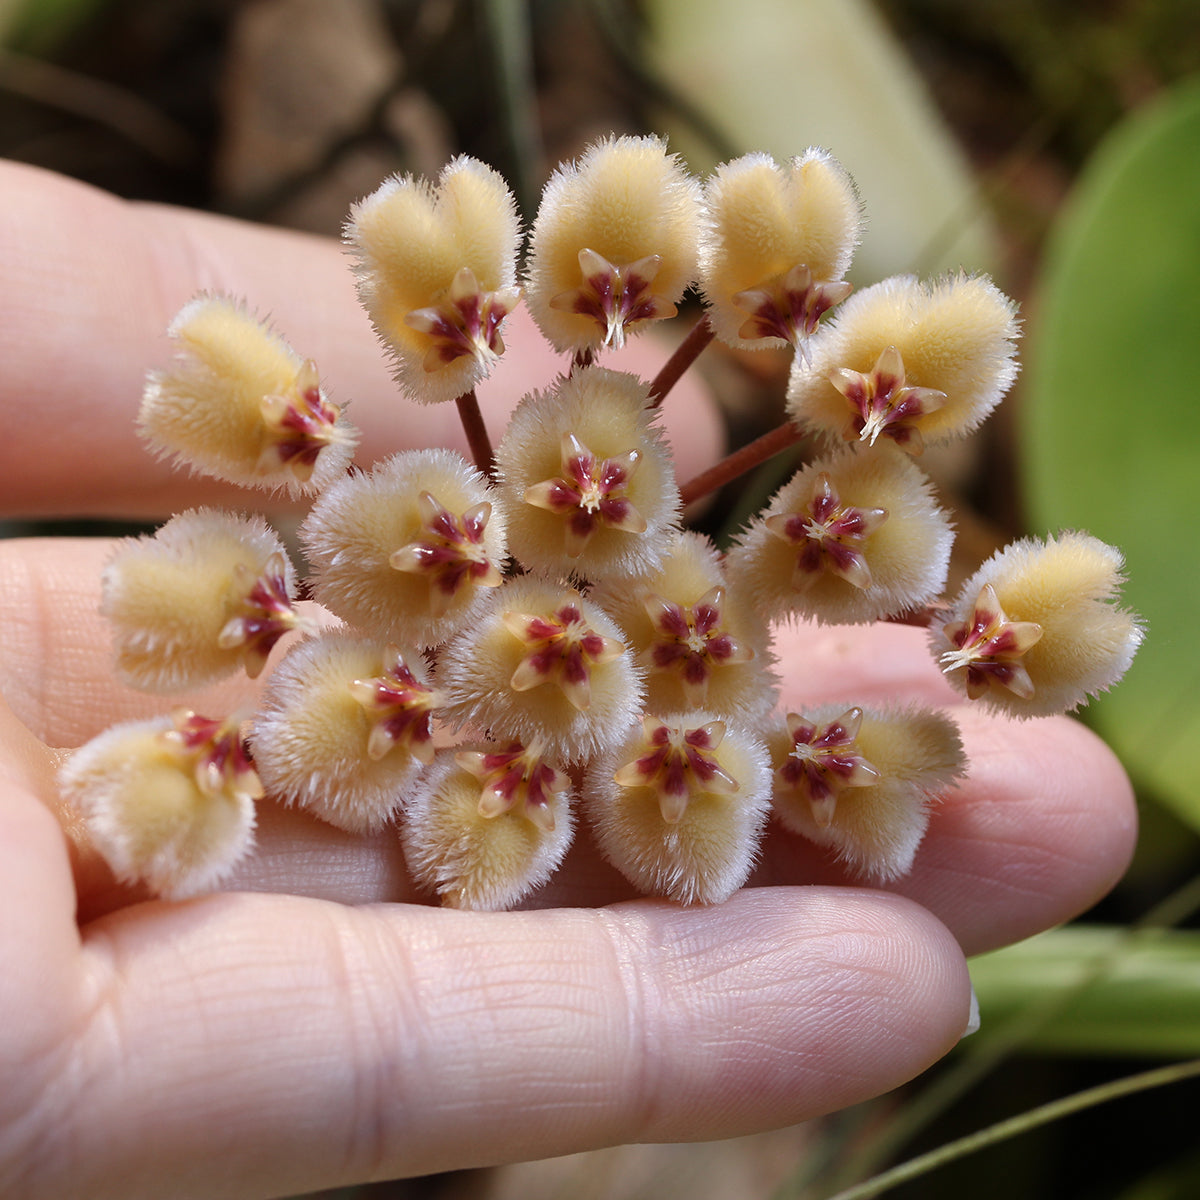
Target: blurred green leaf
36, 26
1179, 1181
782, 75
1146, 1003
1111, 423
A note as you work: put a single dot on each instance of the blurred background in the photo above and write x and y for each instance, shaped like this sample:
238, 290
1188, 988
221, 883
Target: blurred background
1053, 144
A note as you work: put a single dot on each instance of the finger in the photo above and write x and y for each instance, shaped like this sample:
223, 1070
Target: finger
1042, 826
39, 942
302, 1045
89, 284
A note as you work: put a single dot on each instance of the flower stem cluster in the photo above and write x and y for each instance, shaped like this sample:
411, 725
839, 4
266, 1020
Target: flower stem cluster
535, 641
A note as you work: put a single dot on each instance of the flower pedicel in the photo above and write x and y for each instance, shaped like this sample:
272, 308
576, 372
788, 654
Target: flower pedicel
533, 643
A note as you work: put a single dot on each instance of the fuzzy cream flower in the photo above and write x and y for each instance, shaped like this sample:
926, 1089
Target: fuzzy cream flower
679, 805
241, 405
910, 362
587, 479
436, 267
701, 645
490, 824
345, 728
780, 241
862, 782
410, 550
1036, 631
851, 538
168, 802
207, 594
543, 666
615, 243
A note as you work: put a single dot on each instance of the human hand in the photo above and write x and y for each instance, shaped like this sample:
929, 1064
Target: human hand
314, 1027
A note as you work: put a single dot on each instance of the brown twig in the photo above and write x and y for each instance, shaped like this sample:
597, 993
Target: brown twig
740, 461
477, 435
685, 354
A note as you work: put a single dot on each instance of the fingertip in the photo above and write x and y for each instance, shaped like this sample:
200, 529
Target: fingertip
786, 1003
1044, 826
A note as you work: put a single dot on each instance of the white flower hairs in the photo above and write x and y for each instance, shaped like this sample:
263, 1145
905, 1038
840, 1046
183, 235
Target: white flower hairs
533, 644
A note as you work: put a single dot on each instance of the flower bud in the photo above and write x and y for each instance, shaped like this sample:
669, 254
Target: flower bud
781, 239
910, 362
850, 539
409, 551
679, 805
861, 782
1035, 631
701, 645
208, 594
490, 824
241, 405
615, 243
543, 666
168, 802
345, 728
436, 271
588, 481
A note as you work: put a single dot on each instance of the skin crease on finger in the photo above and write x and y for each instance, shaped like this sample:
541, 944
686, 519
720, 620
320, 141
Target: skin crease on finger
389, 1041
74, 367
1041, 829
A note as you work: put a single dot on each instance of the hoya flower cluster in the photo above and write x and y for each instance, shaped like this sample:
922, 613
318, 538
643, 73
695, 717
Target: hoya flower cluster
531, 646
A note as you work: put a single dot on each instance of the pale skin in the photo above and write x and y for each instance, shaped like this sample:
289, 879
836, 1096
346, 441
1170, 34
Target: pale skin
315, 1025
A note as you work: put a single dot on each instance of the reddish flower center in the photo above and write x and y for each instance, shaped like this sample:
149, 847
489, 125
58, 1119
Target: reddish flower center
615, 296
449, 552
829, 536
560, 648
399, 708
788, 306
825, 760
589, 494
678, 764
465, 323
990, 647
691, 641
883, 404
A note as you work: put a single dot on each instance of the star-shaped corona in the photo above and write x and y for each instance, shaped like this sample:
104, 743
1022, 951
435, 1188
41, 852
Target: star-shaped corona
466, 323
589, 493
788, 307
990, 648
297, 427
825, 760
213, 751
517, 778
828, 536
265, 612
882, 403
616, 296
678, 763
692, 641
399, 707
450, 551
561, 648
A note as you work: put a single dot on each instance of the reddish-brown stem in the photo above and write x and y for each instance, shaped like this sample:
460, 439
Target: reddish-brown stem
476, 431
685, 354
740, 461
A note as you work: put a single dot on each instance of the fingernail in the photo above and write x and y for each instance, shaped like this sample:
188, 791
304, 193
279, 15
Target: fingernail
972, 1016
